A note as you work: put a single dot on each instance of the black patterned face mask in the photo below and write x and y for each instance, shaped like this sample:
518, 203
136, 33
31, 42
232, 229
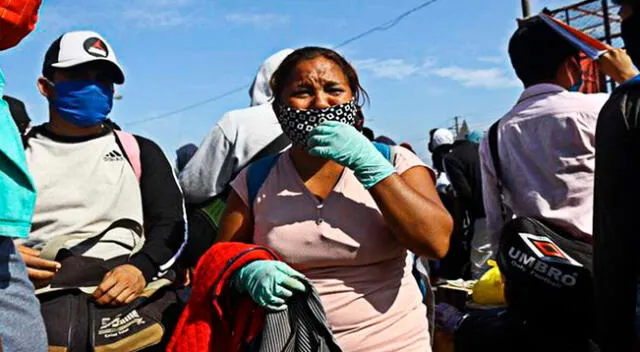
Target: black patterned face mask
298, 124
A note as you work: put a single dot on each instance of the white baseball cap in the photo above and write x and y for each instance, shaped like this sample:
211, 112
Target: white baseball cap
80, 47
442, 136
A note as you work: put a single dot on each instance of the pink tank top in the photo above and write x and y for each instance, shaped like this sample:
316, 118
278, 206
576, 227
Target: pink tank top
343, 245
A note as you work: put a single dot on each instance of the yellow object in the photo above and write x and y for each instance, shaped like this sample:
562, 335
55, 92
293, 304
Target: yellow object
489, 290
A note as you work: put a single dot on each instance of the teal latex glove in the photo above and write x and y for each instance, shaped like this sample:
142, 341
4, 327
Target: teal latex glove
269, 283
343, 144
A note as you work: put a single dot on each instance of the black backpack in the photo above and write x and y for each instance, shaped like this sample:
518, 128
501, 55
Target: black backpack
547, 272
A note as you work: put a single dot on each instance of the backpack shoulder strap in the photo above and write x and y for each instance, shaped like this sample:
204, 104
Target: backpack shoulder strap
384, 149
28, 134
131, 149
495, 158
493, 148
276, 146
257, 173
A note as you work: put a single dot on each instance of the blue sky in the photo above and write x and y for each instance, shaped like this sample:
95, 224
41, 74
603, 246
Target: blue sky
446, 60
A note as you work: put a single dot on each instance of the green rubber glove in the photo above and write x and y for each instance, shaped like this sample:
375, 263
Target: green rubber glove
343, 144
269, 283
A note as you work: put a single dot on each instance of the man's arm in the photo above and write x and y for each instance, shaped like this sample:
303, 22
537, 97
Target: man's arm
617, 64
40, 271
164, 214
211, 168
490, 194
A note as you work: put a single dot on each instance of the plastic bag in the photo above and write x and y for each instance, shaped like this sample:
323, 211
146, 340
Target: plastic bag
489, 290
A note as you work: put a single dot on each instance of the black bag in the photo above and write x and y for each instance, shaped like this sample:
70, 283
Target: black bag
548, 273
74, 322
204, 219
547, 276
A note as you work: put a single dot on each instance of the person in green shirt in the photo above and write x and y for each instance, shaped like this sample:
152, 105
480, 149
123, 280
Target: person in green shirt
21, 324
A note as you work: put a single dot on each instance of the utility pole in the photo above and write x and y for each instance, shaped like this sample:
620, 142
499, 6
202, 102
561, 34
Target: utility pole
607, 21
607, 33
526, 8
457, 125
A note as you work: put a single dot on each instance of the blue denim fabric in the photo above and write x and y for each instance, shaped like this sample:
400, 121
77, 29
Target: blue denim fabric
21, 325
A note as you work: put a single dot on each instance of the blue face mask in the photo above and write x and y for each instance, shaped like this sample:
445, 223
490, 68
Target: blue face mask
83, 103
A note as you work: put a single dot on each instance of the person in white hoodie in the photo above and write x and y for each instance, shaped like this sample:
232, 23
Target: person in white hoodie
235, 140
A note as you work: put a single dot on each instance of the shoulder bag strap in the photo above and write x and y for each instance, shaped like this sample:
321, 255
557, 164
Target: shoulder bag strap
54, 245
275, 147
257, 173
495, 158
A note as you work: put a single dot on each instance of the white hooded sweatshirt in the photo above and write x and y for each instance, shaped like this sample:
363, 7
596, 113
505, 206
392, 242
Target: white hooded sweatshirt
234, 140
260, 91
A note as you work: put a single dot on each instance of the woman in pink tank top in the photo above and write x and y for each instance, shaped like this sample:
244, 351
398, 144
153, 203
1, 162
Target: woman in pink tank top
340, 213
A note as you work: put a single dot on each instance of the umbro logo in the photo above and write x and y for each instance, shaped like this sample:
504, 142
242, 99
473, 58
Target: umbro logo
113, 156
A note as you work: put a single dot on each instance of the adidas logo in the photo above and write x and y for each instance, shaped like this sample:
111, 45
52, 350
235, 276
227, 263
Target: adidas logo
113, 156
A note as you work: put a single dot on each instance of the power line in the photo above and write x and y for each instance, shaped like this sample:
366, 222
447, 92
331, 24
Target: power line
387, 25
380, 28
189, 107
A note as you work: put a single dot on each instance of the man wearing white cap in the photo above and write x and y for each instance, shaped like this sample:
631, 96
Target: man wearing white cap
103, 194
440, 144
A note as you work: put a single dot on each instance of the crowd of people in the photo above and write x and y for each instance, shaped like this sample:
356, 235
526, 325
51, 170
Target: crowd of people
292, 227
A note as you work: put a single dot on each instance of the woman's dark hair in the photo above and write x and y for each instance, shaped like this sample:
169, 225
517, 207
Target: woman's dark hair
282, 74
368, 133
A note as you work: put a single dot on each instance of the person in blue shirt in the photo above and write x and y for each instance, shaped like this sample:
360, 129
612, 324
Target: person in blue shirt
21, 325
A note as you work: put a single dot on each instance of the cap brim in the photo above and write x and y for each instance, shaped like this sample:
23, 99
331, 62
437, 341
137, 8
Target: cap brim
118, 73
